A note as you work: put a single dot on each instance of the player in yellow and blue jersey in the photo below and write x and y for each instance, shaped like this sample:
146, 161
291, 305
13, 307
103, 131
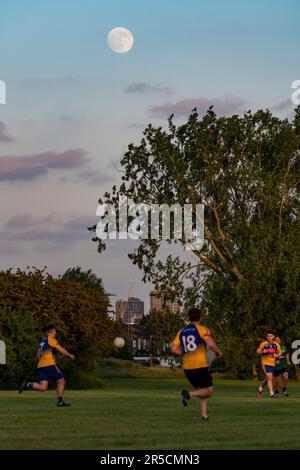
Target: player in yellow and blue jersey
191, 342
47, 368
269, 351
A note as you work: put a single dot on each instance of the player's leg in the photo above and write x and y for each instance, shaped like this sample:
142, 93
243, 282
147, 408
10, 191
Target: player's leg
202, 382
60, 387
38, 386
262, 385
41, 386
277, 382
269, 375
203, 405
202, 392
285, 379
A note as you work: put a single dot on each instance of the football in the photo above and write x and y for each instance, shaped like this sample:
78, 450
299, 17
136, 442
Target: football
119, 342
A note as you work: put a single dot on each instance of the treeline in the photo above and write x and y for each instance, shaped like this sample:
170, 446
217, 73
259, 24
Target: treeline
75, 302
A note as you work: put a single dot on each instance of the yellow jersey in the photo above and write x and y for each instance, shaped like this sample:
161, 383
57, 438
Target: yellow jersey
191, 340
268, 351
47, 352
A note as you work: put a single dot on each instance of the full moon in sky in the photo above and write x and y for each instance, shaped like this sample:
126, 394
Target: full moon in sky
120, 40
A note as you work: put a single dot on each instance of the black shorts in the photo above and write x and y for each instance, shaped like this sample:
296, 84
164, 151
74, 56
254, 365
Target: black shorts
278, 372
199, 378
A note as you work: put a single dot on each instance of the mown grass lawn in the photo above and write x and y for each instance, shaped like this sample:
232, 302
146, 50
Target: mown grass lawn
146, 414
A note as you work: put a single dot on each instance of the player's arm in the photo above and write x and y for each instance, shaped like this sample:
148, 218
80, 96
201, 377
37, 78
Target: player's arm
212, 345
64, 352
260, 349
55, 344
175, 346
176, 349
287, 356
278, 353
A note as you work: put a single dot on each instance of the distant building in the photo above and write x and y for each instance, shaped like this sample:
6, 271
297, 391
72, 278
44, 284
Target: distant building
160, 301
129, 311
141, 341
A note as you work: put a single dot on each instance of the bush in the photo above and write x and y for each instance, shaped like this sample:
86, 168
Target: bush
29, 300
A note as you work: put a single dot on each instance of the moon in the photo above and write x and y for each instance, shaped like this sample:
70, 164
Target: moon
120, 40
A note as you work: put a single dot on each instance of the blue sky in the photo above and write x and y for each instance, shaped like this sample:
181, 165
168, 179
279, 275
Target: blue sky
67, 90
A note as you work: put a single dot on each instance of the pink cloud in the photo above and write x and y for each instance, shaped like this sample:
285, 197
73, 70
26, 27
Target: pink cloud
146, 88
23, 221
223, 106
29, 167
283, 106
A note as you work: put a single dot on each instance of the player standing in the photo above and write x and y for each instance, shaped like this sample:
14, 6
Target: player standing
47, 368
281, 369
269, 351
191, 342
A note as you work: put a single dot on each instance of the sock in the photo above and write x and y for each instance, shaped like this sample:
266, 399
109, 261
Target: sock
29, 386
60, 399
271, 393
277, 392
260, 388
284, 389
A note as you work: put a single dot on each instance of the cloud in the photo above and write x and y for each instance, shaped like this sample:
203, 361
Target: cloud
24, 221
97, 177
136, 125
34, 229
285, 105
146, 88
29, 167
4, 134
8, 248
224, 105
82, 222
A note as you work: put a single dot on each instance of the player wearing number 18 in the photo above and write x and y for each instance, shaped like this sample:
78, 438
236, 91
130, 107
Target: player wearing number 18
191, 342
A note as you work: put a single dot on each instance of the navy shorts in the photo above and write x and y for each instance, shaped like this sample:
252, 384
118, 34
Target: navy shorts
278, 372
268, 369
50, 373
199, 378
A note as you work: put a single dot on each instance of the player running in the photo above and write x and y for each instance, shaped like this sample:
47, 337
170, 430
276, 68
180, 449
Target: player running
191, 342
269, 351
47, 368
281, 369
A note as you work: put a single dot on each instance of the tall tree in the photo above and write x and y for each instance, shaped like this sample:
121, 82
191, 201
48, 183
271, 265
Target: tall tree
246, 172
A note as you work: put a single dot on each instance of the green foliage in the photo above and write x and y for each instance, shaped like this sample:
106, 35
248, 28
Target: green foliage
163, 326
29, 300
87, 278
20, 332
246, 172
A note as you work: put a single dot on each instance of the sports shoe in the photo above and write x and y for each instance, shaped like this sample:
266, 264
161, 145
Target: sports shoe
23, 386
285, 393
62, 403
276, 394
185, 397
205, 418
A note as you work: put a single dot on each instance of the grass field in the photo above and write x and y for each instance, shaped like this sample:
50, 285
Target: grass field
146, 414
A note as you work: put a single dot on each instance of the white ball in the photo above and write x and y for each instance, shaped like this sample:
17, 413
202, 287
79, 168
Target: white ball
119, 342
